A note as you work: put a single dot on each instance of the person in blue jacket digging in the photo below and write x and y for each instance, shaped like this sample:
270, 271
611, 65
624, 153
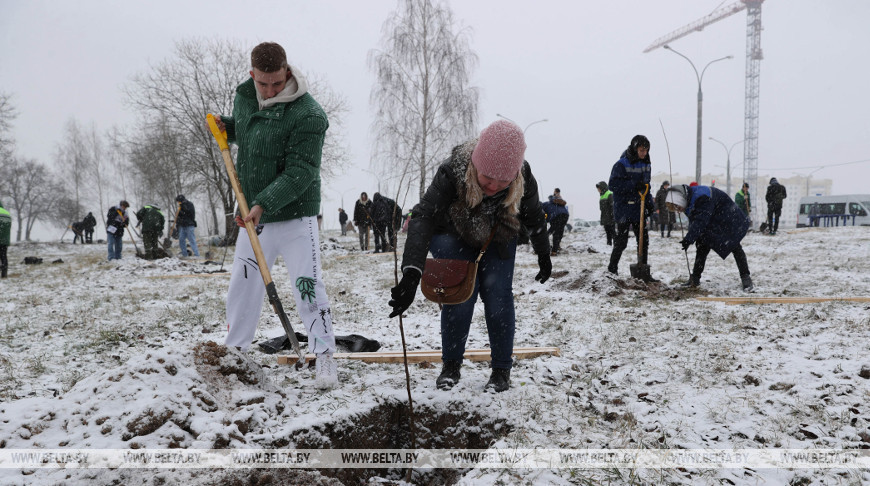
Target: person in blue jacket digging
715, 223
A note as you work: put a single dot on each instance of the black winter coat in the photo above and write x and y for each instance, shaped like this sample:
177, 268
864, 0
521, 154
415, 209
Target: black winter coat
382, 209
362, 213
186, 214
432, 214
90, 222
117, 221
665, 216
775, 194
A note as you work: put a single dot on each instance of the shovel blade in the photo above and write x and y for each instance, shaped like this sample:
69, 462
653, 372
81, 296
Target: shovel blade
641, 271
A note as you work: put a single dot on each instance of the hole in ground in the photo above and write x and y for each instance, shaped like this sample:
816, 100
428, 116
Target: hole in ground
386, 427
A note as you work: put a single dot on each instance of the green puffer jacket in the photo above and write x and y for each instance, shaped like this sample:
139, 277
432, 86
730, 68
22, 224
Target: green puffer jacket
279, 153
152, 219
5, 226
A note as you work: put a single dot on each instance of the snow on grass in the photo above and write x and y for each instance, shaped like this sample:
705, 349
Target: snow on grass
97, 354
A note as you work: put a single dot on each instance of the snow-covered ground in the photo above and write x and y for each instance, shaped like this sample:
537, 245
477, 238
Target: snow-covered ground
99, 355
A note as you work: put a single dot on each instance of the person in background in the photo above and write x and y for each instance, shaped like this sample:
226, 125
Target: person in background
90, 222
342, 221
605, 205
116, 221
629, 179
5, 234
152, 221
279, 129
743, 201
666, 217
78, 229
775, 194
362, 218
557, 215
715, 223
383, 209
484, 190
186, 225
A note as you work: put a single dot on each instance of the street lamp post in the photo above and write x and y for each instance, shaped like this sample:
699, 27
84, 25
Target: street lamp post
808, 178
515, 123
699, 77
376, 178
727, 162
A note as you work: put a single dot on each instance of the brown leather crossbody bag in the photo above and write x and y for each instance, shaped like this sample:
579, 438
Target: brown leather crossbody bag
448, 282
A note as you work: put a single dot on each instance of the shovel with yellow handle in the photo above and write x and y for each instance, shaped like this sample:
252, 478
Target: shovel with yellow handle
221, 138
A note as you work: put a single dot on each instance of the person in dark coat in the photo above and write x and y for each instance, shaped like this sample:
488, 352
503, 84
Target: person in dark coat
116, 221
715, 223
5, 233
557, 215
152, 221
485, 189
78, 232
362, 218
342, 221
186, 225
775, 194
605, 205
90, 222
382, 211
629, 179
666, 218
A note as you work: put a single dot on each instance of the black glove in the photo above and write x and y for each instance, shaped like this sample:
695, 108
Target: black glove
403, 294
640, 187
685, 244
546, 266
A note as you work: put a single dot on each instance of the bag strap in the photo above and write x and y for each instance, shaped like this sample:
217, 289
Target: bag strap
485, 245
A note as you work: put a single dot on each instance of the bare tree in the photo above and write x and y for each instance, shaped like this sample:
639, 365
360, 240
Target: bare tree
31, 190
423, 101
7, 114
335, 153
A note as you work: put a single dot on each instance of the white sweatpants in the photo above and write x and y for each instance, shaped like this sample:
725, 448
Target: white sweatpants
298, 242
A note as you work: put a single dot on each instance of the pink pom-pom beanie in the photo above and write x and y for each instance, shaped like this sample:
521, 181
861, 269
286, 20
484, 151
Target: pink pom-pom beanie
500, 151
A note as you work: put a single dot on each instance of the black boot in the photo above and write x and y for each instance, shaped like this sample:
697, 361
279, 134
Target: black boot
449, 375
692, 283
499, 381
3, 272
747, 283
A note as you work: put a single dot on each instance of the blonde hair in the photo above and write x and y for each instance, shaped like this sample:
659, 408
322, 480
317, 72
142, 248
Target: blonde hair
474, 193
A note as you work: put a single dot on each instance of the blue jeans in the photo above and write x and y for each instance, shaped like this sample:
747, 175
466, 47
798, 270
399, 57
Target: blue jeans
494, 284
115, 245
187, 233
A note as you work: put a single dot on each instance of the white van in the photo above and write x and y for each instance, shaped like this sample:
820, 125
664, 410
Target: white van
842, 210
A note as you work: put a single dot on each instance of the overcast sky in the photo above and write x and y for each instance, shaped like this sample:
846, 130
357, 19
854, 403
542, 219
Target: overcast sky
578, 64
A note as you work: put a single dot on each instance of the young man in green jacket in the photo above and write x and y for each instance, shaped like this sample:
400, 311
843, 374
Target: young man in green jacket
279, 129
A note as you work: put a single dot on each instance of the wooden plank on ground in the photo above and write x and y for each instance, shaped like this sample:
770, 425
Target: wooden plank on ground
430, 355
221, 274
367, 253
782, 300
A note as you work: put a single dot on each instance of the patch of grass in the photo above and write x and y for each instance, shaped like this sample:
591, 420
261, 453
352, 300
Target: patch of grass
36, 364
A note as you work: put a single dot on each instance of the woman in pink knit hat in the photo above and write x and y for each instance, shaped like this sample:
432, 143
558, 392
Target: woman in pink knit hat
486, 184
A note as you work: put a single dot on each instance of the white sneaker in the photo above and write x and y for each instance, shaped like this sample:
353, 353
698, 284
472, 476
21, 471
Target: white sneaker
327, 374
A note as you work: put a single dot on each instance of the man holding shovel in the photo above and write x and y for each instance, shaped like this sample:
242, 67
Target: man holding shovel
629, 182
116, 221
279, 129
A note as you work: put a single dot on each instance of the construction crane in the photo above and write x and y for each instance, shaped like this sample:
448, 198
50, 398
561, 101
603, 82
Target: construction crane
753, 74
